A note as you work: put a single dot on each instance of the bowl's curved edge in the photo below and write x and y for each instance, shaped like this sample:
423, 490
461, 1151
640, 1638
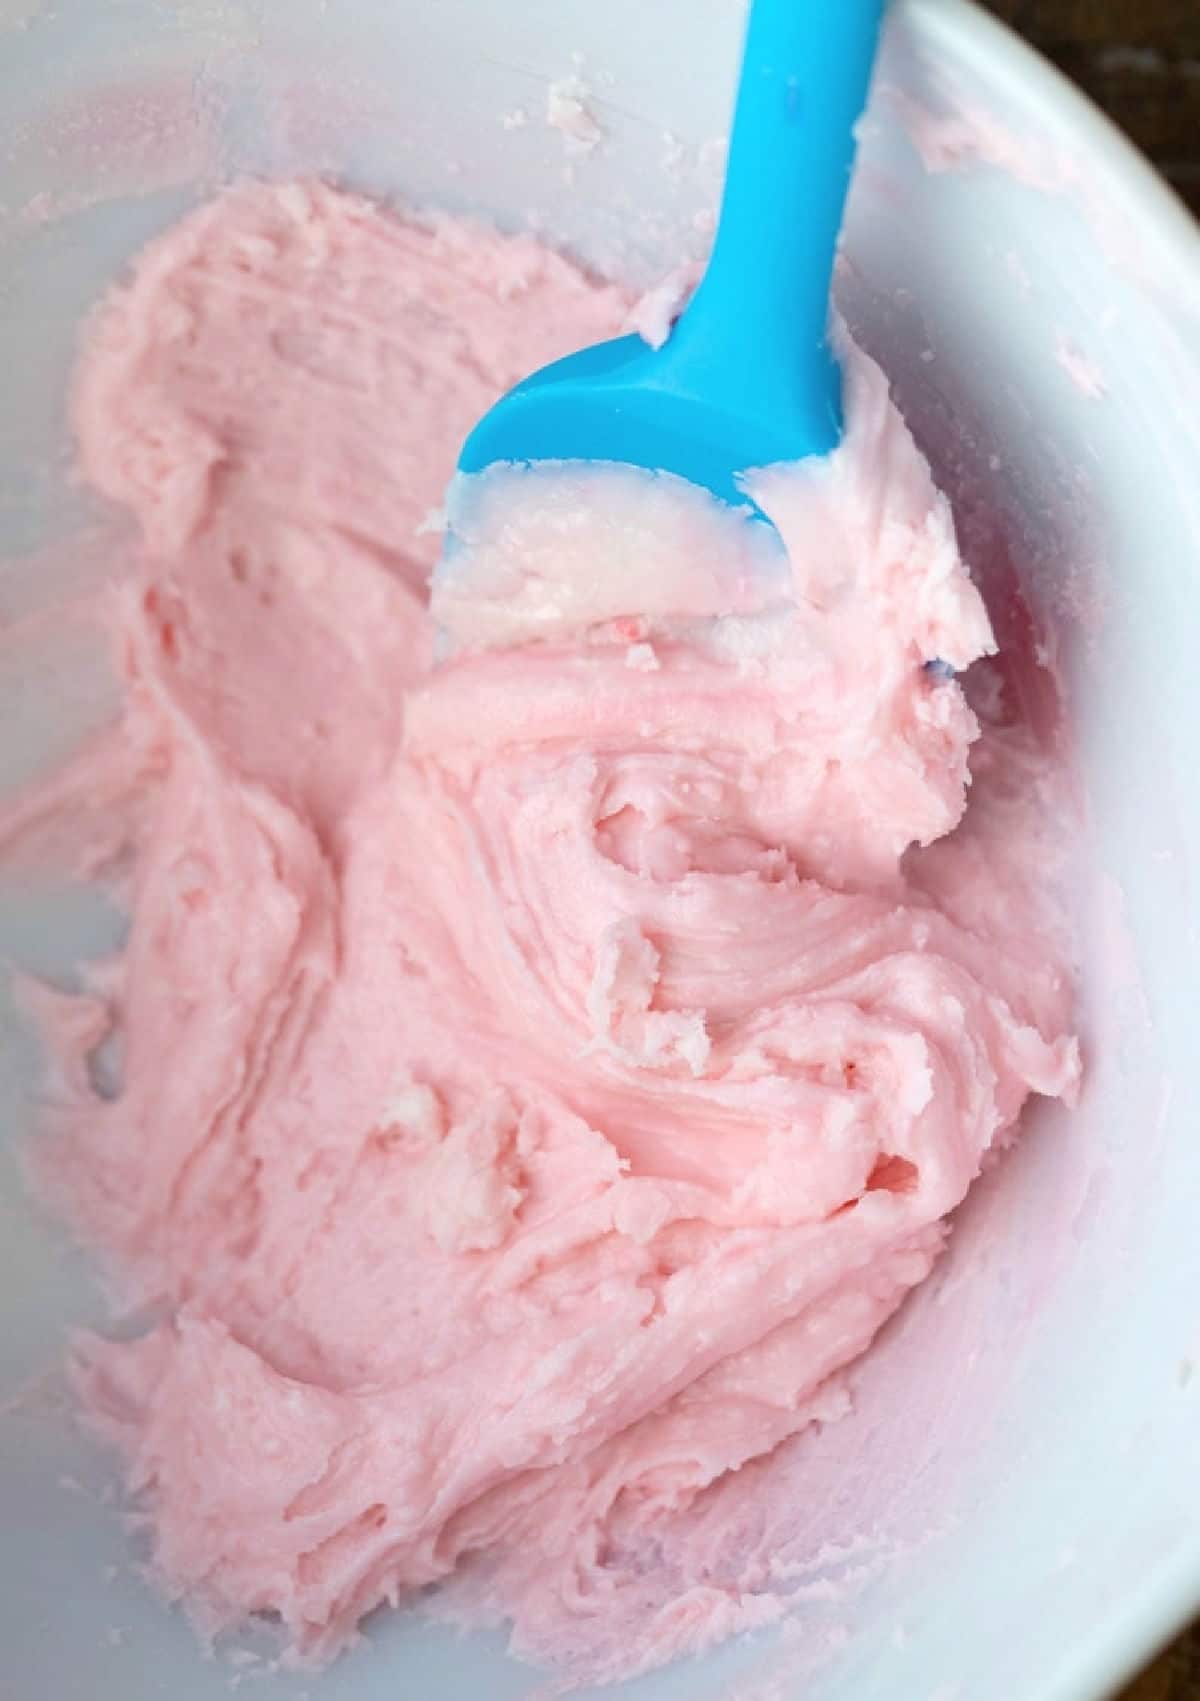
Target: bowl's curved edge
963, 33
1155, 1606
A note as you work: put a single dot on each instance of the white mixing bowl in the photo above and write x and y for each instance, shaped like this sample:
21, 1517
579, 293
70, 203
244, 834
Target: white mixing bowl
1017, 1487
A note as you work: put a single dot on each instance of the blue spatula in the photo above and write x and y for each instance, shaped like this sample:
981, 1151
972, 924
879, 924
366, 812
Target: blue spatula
746, 378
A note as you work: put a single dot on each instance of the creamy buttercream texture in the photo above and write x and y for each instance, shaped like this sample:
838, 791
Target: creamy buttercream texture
541, 1072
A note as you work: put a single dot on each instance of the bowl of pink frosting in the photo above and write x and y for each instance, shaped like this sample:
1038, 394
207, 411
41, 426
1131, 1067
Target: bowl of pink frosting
611, 1115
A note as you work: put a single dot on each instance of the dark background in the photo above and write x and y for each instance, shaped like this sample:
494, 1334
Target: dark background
1139, 60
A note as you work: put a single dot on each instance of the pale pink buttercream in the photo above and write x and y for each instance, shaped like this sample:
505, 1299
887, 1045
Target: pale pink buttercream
542, 1072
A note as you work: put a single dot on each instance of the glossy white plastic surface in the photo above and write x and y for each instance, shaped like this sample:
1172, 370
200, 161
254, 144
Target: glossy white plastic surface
1019, 1476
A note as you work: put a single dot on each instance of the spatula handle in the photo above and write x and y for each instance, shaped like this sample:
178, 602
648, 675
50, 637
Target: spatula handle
761, 313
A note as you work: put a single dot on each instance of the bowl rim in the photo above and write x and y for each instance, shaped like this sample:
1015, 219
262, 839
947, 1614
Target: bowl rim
963, 33
1156, 1605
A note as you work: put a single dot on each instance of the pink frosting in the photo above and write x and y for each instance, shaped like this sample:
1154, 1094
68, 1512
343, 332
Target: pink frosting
544, 1071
